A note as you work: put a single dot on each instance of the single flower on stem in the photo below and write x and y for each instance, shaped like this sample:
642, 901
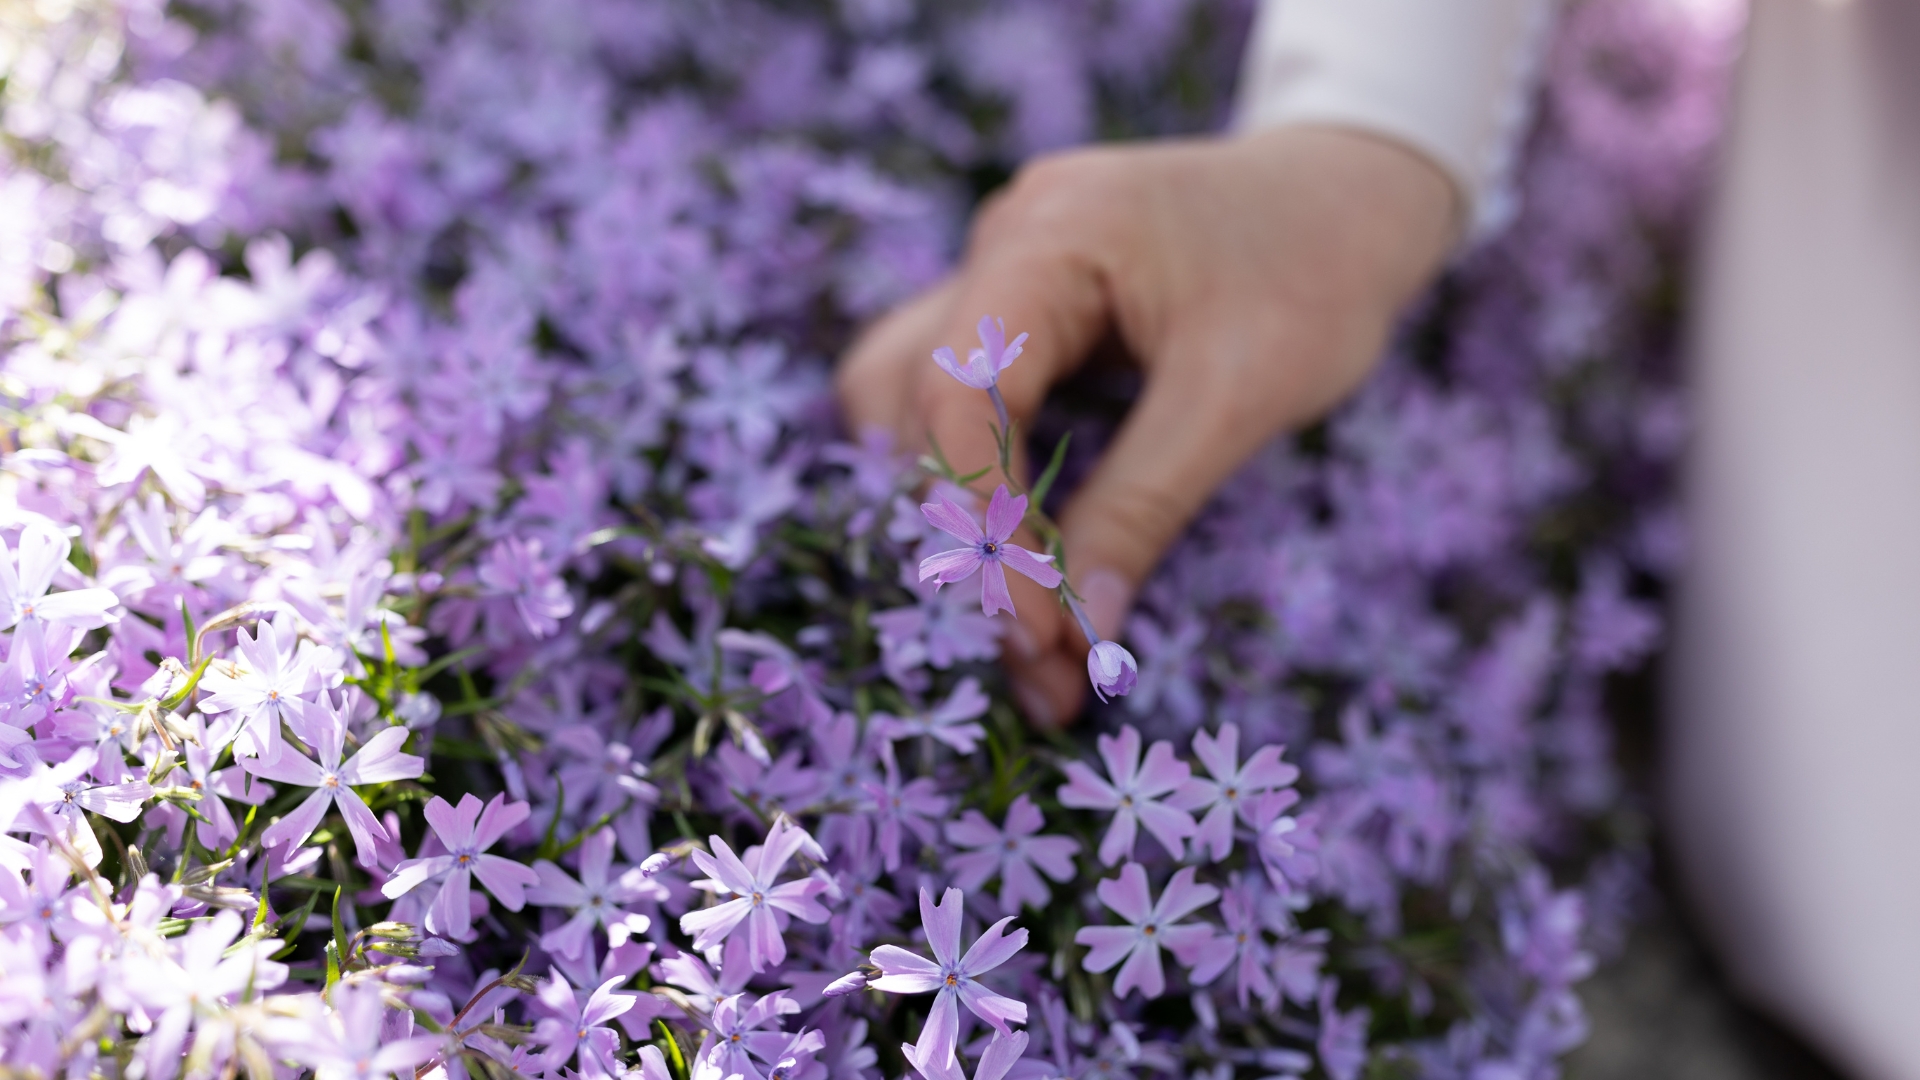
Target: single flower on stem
984, 365
986, 551
1150, 925
954, 976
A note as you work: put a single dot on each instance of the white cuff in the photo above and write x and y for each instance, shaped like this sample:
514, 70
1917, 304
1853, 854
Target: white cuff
1450, 78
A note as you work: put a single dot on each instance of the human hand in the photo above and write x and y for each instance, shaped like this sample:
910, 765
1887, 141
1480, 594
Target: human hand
1254, 279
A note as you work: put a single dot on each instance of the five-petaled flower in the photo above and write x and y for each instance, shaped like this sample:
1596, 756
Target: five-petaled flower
984, 365
1014, 854
1151, 926
597, 897
466, 832
1227, 792
378, 761
759, 904
986, 551
1132, 794
954, 977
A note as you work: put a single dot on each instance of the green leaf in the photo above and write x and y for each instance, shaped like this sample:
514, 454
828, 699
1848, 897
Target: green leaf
1052, 473
963, 481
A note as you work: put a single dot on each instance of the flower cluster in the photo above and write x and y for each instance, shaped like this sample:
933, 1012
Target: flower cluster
442, 630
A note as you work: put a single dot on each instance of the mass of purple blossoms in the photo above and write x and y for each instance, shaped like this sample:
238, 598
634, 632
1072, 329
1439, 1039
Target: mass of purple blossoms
443, 633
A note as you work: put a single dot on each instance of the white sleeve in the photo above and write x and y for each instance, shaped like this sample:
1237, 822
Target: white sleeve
1451, 78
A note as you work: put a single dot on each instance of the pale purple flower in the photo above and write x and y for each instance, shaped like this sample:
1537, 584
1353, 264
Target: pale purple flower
1136, 794
24, 584
984, 365
1016, 854
58, 799
951, 722
1342, 1044
705, 991
350, 1044
1242, 947
274, 671
598, 898
1111, 669
517, 571
1230, 786
579, 1026
466, 831
1151, 925
760, 903
378, 761
189, 987
742, 1033
953, 976
913, 805
988, 551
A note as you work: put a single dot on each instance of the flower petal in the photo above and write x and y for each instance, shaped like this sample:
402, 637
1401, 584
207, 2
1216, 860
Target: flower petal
943, 924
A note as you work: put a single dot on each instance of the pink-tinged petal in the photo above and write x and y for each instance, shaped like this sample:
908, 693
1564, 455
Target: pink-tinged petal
953, 519
505, 879
1021, 886
710, 926
453, 825
1183, 896
1193, 794
994, 947
941, 1032
1118, 843
1169, 826
993, 337
1027, 564
972, 869
947, 567
783, 840
1186, 940
1106, 945
1005, 512
943, 924
1265, 770
368, 833
895, 962
1053, 855
499, 816
972, 830
286, 766
1219, 753
412, 873
1024, 818
292, 830
1141, 972
1215, 834
452, 911
796, 898
991, 1007
573, 938
1121, 754
1002, 1054
725, 867
765, 947
1127, 895
555, 887
1084, 790
968, 374
380, 760
1219, 955
1162, 772
993, 589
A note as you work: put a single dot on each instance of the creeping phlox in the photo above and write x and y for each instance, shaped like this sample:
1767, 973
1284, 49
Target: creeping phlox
442, 633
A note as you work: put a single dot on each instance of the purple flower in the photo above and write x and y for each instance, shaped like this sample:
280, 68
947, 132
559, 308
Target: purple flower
984, 365
951, 721
187, 987
597, 898
759, 904
377, 762
955, 977
1132, 794
350, 1044
1150, 926
466, 832
1242, 947
1112, 670
262, 689
987, 551
579, 1026
23, 592
741, 1030
1342, 1044
1014, 854
1226, 792
913, 804
515, 570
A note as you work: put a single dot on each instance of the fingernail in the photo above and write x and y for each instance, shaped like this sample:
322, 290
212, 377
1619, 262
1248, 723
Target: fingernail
1108, 599
1032, 702
1022, 642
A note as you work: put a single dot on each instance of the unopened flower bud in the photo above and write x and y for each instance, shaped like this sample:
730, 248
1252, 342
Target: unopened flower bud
850, 983
1112, 669
654, 863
